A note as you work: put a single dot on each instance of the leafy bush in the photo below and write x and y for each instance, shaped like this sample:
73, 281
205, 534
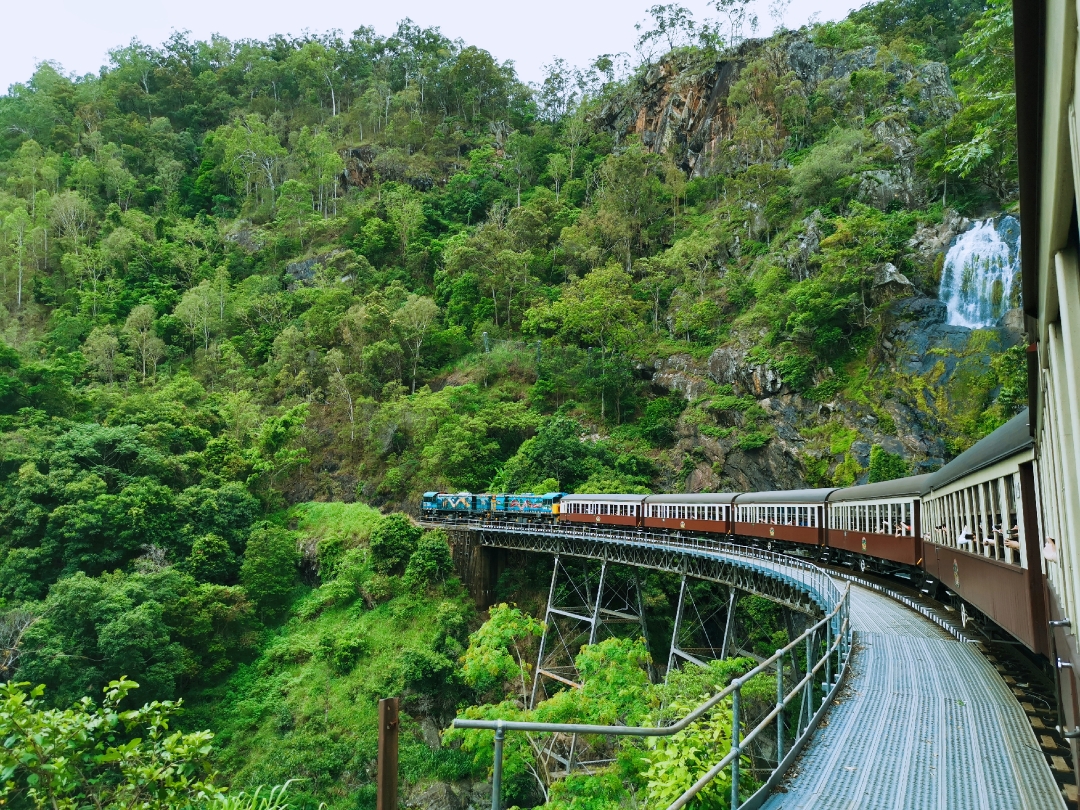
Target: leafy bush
393, 543
343, 652
329, 552
100, 756
754, 440
211, 560
886, 466
657, 424
270, 567
431, 562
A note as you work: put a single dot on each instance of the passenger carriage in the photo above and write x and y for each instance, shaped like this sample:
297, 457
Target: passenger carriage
614, 510
795, 516
879, 521
706, 512
981, 531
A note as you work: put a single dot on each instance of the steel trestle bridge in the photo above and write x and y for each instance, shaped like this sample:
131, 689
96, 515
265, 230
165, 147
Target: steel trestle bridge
905, 735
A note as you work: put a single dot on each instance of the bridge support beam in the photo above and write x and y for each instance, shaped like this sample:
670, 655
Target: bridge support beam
703, 625
586, 604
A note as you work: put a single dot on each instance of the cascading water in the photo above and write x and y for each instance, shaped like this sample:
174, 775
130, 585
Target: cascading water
979, 272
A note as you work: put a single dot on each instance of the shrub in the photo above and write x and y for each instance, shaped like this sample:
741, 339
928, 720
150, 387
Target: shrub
211, 560
754, 440
329, 553
886, 466
270, 566
99, 756
657, 424
343, 653
393, 543
431, 562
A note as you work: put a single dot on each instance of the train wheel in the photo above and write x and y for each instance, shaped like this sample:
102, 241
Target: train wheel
768, 545
862, 566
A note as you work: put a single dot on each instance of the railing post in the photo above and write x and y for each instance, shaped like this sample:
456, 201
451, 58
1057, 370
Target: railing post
737, 683
828, 662
780, 710
808, 690
387, 788
496, 771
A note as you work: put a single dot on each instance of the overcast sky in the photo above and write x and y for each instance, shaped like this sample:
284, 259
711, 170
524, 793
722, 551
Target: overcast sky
78, 34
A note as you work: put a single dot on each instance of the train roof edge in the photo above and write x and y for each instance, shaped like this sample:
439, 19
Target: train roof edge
898, 487
785, 496
1009, 439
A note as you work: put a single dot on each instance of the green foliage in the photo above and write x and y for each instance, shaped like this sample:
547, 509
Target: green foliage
431, 563
342, 653
367, 267
847, 472
885, 466
161, 626
269, 569
100, 755
211, 560
1010, 368
657, 424
393, 543
495, 656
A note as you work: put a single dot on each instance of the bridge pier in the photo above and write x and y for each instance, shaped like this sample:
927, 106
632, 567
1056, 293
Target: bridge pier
479, 566
585, 604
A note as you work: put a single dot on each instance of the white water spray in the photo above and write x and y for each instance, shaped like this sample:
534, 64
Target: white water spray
978, 274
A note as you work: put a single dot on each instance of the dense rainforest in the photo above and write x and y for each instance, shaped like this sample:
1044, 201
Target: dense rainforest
255, 296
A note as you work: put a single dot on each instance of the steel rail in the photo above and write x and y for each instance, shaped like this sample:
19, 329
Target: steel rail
838, 643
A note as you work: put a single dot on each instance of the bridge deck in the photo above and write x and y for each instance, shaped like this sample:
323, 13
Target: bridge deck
925, 721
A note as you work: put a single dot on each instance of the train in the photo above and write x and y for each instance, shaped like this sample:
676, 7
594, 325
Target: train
969, 531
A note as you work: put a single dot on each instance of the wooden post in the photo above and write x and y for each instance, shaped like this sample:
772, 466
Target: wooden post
387, 794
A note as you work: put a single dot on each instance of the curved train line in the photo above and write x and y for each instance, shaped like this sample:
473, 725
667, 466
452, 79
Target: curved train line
970, 529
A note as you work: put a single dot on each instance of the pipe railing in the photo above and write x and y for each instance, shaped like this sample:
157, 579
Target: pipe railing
838, 625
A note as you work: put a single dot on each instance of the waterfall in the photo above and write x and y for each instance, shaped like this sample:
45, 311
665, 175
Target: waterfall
979, 272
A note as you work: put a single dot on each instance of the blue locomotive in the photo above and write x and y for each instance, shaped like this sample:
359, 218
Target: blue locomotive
507, 506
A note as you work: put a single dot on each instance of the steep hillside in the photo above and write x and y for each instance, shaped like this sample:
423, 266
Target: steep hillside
238, 277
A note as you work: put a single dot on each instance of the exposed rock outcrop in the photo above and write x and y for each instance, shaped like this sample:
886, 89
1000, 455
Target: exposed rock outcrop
684, 108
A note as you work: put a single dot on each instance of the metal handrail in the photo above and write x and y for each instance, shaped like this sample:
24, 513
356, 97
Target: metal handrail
837, 619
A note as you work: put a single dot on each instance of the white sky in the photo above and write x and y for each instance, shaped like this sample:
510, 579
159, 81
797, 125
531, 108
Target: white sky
78, 33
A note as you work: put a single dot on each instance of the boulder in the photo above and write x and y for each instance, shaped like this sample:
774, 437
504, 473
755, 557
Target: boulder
890, 284
439, 796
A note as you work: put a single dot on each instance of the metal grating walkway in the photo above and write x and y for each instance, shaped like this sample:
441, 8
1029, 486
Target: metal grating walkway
924, 721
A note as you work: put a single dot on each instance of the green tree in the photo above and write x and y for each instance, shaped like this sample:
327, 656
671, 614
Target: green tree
496, 660
211, 560
431, 563
147, 347
415, 319
269, 570
393, 543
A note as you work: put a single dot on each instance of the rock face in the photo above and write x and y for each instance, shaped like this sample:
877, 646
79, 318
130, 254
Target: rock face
729, 366
451, 796
685, 108
889, 283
